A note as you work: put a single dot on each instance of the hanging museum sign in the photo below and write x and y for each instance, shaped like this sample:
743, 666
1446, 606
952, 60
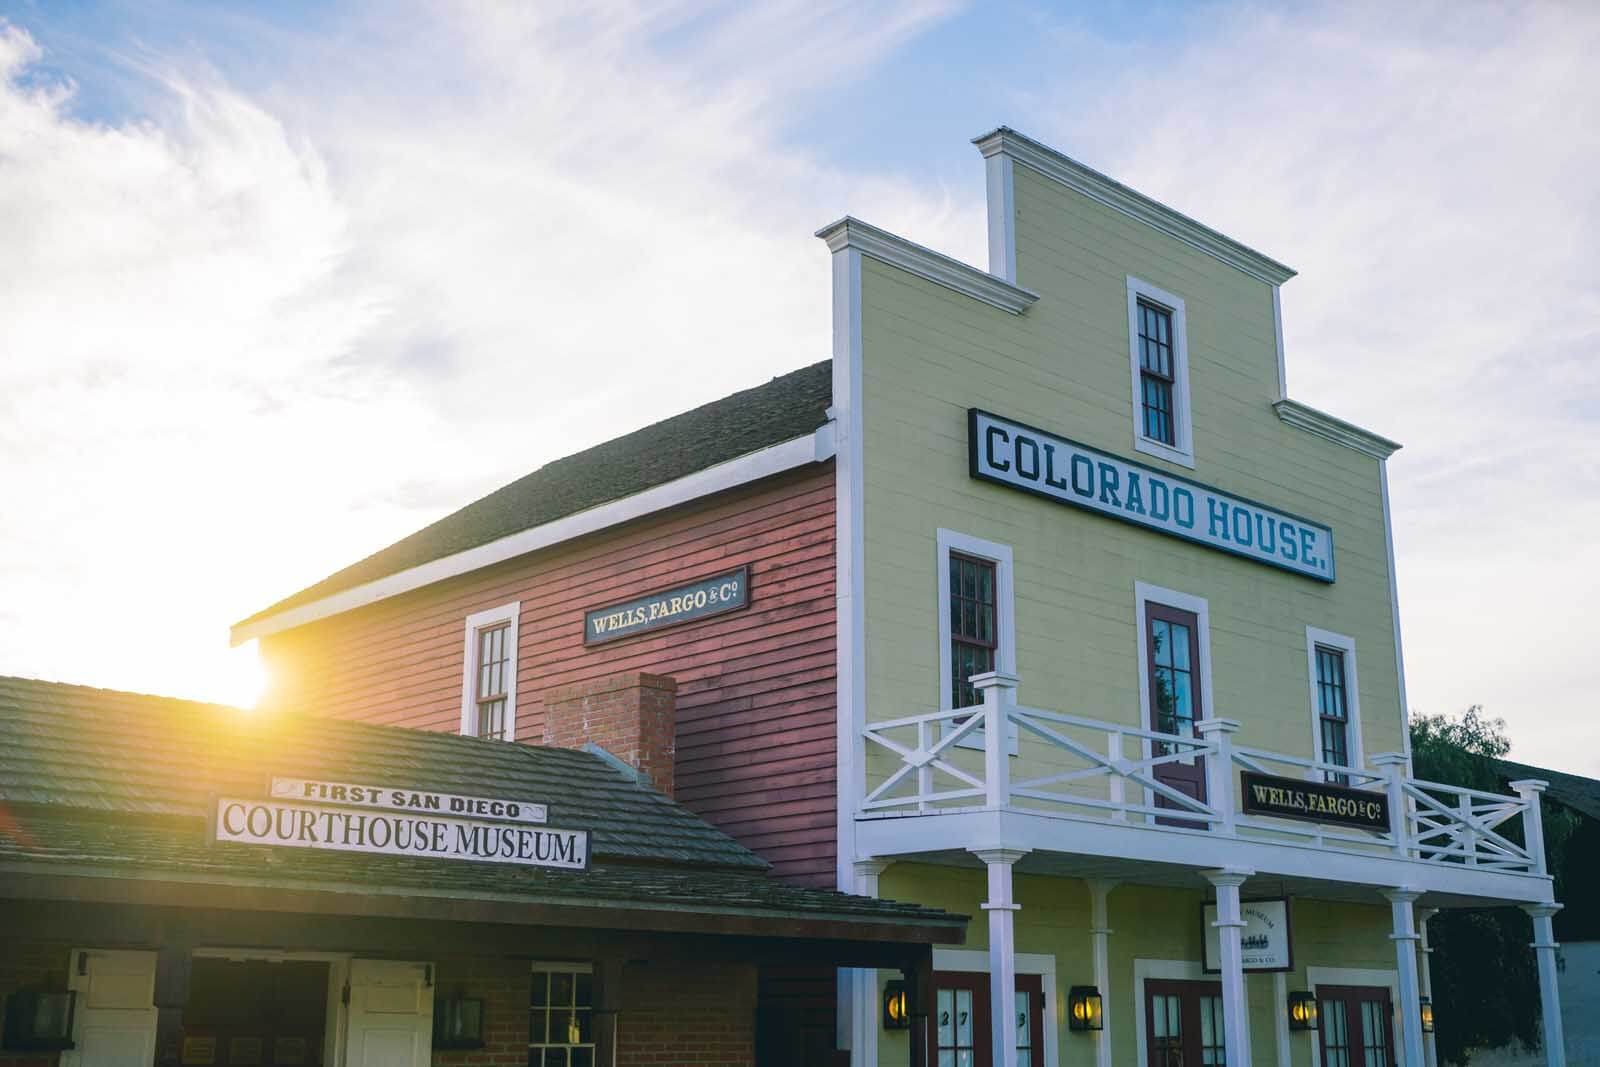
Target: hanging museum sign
396, 821
717, 595
1035, 461
1319, 802
1267, 939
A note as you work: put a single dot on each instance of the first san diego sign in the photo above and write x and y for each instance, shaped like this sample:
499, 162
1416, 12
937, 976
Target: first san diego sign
1035, 461
394, 821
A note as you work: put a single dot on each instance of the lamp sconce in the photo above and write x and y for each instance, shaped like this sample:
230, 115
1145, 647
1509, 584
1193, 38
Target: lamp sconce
896, 1009
1085, 1010
458, 1022
1426, 1008
1302, 1010
38, 1020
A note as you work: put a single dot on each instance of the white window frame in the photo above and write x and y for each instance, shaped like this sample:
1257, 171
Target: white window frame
1347, 645
1182, 452
1143, 594
1004, 616
482, 620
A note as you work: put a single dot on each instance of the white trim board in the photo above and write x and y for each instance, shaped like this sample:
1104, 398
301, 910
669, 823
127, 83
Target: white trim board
1181, 451
1329, 428
1043, 964
925, 263
1347, 645
775, 459
1004, 612
1054, 165
481, 620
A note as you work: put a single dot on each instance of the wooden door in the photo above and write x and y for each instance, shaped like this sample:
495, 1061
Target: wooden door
114, 1024
959, 1032
1172, 651
390, 1023
1356, 1026
1183, 1024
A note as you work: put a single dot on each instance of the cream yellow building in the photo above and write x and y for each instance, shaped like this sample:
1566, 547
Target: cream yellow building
1118, 641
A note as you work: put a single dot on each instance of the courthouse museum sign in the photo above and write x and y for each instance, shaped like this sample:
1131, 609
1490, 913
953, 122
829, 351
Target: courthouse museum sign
1321, 802
1266, 940
725, 592
1034, 461
396, 821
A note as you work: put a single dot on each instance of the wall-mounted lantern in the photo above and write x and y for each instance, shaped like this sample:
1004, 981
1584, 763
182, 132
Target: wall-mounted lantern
1302, 1010
896, 1009
458, 1022
1084, 1009
1427, 1014
38, 1020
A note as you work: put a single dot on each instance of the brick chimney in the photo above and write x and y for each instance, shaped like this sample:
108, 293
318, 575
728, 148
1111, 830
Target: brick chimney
632, 716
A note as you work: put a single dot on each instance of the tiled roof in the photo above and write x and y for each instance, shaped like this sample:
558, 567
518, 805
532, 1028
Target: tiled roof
1575, 791
120, 784
784, 408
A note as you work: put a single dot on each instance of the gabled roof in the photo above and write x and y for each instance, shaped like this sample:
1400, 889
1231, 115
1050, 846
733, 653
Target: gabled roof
1572, 790
785, 408
113, 785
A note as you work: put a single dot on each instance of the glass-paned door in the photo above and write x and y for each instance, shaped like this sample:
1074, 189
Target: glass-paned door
1172, 646
961, 1036
1183, 1024
1357, 1026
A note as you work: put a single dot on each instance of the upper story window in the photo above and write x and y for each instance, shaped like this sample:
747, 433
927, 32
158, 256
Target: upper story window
489, 685
976, 624
1159, 358
1331, 663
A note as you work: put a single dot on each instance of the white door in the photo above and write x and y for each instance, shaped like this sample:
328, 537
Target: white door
114, 1024
391, 1014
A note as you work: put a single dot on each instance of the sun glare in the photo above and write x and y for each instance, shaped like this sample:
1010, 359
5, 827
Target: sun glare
240, 678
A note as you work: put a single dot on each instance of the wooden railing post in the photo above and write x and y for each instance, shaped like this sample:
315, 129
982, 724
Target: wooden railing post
1219, 769
1116, 791
1533, 820
999, 691
1392, 765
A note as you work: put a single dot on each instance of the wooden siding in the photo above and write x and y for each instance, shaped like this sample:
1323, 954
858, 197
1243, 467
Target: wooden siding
755, 716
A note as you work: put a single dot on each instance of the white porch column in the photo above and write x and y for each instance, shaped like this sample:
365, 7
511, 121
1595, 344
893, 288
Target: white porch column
1100, 933
863, 985
1544, 948
1230, 925
1429, 1047
1280, 1018
1405, 953
1002, 951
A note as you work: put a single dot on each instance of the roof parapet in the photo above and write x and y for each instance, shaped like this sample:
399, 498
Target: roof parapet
924, 262
1309, 419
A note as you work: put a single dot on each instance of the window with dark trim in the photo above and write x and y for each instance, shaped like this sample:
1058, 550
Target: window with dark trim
1157, 374
1333, 710
974, 633
561, 1019
494, 662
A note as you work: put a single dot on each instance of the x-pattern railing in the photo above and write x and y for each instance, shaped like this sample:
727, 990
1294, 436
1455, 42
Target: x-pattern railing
958, 760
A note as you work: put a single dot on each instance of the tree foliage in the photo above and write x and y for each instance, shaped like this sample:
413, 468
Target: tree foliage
1485, 981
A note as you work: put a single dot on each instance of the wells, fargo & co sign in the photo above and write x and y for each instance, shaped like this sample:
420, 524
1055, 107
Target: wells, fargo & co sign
399, 822
1294, 798
1034, 461
722, 593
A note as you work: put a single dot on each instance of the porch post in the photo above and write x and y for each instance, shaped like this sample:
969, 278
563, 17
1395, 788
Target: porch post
1100, 932
1002, 950
1405, 952
1544, 948
607, 1005
864, 981
1230, 925
999, 691
919, 1003
1429, 1047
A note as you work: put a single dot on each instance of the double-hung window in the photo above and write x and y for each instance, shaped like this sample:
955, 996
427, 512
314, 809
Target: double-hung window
561, 1016
1336, 728
1158, 355
975, 622
489, 682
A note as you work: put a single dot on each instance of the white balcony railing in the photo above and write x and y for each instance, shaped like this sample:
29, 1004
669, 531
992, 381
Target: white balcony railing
1088, 769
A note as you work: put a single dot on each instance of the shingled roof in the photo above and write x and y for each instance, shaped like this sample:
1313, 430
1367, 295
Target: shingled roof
1574, 791
784, 408
113, 784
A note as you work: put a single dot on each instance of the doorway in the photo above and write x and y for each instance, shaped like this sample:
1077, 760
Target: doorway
256, 1013
959, 1032
1356, 1026
1183, 1023
1172, 649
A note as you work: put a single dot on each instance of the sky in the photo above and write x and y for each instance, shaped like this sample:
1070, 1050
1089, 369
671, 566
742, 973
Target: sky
283, 283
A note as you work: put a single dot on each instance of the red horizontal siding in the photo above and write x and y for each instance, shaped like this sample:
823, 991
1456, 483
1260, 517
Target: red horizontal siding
756, 715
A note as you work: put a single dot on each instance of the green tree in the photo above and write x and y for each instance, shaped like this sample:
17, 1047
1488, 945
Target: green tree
1485, 984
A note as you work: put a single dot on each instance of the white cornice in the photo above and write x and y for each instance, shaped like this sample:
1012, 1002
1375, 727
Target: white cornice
775, 459
1326, 426
1091, 183
936, 267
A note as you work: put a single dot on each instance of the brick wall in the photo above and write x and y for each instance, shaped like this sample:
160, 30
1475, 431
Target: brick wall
704, 1016
503, 985
632, 716
24, 965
